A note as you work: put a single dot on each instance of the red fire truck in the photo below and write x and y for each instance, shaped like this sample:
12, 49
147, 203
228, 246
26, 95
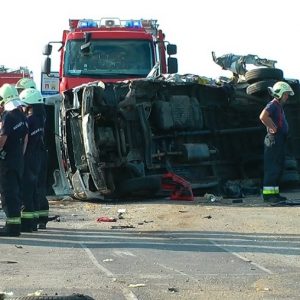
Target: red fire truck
12, 76
110, 50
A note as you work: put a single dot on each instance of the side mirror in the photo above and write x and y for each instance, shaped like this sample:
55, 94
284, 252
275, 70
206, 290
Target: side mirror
172, 65
171, 49
46, 65
47, 50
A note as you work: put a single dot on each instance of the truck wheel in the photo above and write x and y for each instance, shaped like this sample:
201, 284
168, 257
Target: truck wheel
140, 186
260, 88
263, 74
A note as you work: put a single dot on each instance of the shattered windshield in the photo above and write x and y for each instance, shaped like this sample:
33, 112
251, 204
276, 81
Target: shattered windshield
109, 58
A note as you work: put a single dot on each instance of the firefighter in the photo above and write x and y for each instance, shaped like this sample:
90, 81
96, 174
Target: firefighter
33, 157
25, 83
13, 141
43, 210
273, 117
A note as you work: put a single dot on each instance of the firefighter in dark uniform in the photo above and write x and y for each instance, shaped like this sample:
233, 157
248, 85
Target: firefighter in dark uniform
13, 141
274, 119
32, 165
43, 208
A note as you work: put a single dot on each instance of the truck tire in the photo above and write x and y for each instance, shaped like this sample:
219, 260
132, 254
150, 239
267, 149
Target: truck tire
263, 74
260, 88
146, 185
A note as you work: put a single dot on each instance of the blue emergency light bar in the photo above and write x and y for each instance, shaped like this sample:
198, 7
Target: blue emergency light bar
133, 24
149, 25
87, 23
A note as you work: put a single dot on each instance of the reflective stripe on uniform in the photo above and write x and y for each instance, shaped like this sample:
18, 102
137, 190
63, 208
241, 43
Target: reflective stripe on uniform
43, 213
36, 214
270, 190
16, 220
27, 215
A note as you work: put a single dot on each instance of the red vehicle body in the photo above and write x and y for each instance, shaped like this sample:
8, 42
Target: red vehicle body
13, 76
110, 50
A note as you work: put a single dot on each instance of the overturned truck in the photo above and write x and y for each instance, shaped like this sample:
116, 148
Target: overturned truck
119, 127
162, 137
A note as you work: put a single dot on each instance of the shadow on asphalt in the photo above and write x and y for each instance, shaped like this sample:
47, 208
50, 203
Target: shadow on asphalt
195, 241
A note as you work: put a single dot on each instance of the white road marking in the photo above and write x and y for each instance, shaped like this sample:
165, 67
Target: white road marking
123, 253
243, 258
179, 272
95, 262
129, 295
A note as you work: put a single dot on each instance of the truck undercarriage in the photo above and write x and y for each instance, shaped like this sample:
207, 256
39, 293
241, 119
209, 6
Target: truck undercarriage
148, 137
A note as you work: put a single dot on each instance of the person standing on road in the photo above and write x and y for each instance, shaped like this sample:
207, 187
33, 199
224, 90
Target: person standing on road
33, 157
13, 142
273, 117
43, 209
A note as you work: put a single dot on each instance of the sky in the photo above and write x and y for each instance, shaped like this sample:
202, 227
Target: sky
269, 29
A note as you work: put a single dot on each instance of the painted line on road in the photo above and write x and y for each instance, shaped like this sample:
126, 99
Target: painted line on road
242, 258
177, 271
123, 253
129, 295
95, 261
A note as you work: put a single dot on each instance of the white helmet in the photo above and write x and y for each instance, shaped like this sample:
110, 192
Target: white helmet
279, 88
31, 96
25, 83
8, 93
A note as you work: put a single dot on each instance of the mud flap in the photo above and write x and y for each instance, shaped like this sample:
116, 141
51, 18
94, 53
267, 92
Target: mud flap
180, 189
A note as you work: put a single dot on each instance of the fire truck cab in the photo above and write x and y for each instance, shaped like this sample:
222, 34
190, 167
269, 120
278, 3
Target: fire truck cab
110, 50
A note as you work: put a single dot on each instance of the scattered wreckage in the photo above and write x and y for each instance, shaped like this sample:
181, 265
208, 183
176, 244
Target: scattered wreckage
166, 135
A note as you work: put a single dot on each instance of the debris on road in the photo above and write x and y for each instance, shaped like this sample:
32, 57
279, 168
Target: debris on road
106, 219
122, 226
173, 290
107, 260
207, 217
55, 218
136, 285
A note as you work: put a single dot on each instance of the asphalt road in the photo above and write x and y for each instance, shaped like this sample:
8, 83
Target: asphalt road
75, 256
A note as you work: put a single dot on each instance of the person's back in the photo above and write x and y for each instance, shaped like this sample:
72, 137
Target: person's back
13, 126
13, 140
273, 117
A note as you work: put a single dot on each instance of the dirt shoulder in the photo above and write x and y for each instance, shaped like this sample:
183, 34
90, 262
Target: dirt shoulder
251, 216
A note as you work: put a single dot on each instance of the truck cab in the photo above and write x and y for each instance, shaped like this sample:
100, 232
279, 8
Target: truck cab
110, 50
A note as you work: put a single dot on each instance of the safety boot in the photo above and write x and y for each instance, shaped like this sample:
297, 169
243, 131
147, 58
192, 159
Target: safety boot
275, 198
11, 230
26, 225
35, 224
282, 198
43, 222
